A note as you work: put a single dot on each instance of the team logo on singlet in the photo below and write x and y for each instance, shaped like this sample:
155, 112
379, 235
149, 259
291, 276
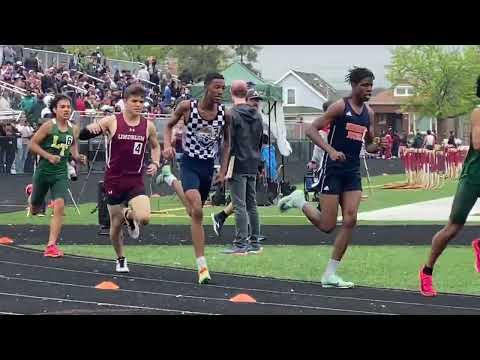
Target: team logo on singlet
206, 136
355, 131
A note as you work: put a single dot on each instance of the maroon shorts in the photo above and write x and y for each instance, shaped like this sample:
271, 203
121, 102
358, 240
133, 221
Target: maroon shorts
122, 190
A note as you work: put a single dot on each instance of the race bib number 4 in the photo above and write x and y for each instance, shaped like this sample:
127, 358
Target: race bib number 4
137, 148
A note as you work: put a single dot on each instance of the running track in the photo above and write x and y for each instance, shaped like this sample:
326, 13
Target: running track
32, 284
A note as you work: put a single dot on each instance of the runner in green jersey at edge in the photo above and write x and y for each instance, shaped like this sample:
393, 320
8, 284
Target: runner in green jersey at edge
468, 191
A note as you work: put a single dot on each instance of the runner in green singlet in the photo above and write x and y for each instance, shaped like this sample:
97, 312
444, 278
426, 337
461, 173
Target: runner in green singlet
55, 141
468, 191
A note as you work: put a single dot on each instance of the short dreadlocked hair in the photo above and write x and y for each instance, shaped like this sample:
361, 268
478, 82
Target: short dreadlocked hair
356, 75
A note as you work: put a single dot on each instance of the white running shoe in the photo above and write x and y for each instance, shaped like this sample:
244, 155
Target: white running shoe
335, 281
294, 200
122, 266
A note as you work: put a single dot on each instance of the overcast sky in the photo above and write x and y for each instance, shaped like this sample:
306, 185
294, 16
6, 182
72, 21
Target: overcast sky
331, 62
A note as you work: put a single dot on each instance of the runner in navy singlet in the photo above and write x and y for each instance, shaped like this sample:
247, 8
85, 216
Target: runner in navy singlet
340, 180
128, 135
206, 122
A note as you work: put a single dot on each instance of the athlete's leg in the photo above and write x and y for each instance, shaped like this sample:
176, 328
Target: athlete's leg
171, 180
140, 209
116, 233
177, 186
59, 188
349, 202
40, 187
57, 221
196, 181
198, 235
228, 209
326, 219
465, 198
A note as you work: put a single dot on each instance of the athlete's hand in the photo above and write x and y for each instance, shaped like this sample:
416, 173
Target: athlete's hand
337, 156
82, 159
94, 128
54, 159
152, 169
168, 152
312, 165
219, 179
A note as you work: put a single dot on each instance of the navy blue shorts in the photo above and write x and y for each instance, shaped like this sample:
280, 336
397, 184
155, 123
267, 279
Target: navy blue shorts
336, 181
197, 174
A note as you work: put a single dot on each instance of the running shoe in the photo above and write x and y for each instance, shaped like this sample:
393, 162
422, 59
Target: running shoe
294, 200
203, 276
476, 251
217, 224
335, 281
426, 284
53, 251
121, 265
132, 226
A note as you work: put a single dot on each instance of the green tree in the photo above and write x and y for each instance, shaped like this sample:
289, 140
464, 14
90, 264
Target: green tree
200, 59
247, 54
443, 78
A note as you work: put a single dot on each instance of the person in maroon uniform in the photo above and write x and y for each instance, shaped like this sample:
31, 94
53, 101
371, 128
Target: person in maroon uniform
128, 134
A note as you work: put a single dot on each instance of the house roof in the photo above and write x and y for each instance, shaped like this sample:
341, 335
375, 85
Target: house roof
346, 93
386, 97
289, 110
238, 71
314, 82
317, 83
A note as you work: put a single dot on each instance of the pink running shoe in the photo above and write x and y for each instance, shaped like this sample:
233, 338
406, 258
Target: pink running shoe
53, 251
426, 284
476, 251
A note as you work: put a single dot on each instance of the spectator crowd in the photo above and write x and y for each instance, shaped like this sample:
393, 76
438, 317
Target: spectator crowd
387, 145
88, 80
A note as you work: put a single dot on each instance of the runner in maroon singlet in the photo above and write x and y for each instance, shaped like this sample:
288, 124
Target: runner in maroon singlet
128, 135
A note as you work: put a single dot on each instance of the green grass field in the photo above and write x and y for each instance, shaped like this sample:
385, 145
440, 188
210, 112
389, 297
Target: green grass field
377, 266
378, 199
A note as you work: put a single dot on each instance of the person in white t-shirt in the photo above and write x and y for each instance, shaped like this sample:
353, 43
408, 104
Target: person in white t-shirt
429, 141
26, 132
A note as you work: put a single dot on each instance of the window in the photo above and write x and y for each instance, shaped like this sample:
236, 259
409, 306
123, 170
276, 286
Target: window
291, 97
404, 90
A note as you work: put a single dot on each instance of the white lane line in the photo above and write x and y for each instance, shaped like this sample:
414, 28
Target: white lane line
9, 313
248, 289
105, 304
199, 297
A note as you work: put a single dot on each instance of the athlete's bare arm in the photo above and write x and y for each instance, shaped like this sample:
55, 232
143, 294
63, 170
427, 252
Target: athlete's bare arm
104, 126
475, 118
371, 115
182, 109
155, 149
38, 138
335, 110
226, 148
75, 153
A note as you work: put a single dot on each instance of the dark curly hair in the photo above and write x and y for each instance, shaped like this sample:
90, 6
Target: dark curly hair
56, 99
356, 75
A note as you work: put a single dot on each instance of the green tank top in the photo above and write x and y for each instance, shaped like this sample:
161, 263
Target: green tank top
57, 143
471, 166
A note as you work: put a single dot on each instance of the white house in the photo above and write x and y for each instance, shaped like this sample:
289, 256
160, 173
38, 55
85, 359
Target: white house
304, 95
